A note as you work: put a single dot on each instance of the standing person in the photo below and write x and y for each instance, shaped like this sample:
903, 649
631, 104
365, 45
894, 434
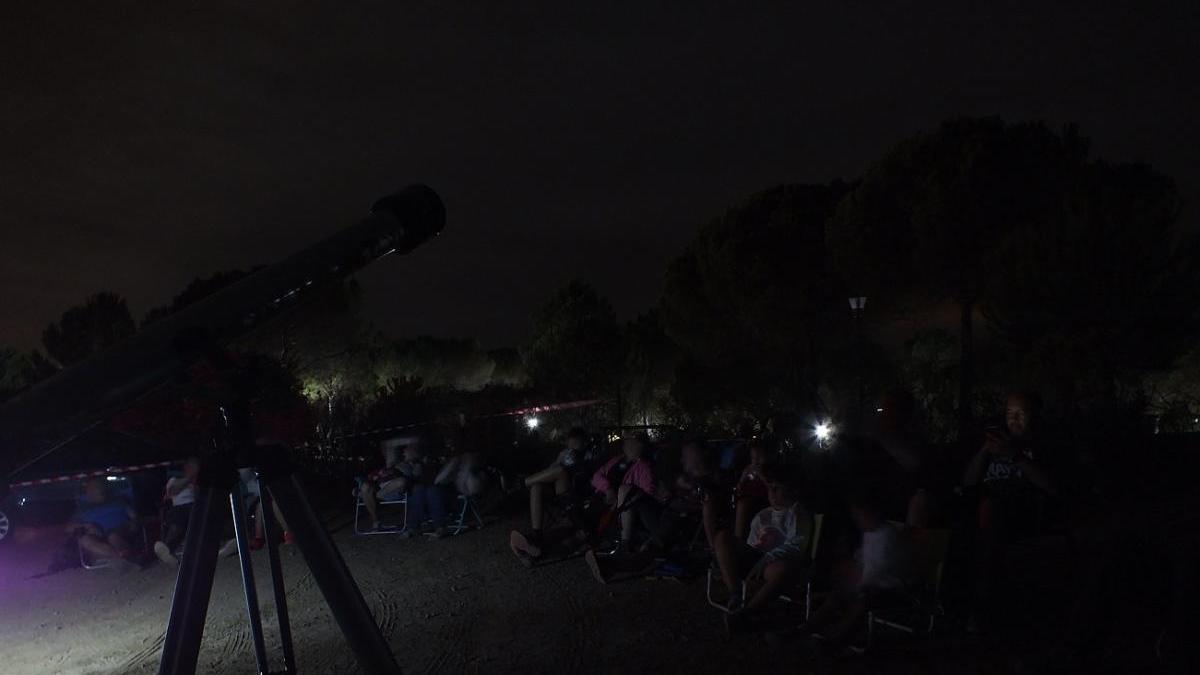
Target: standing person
181, 493
1013, 483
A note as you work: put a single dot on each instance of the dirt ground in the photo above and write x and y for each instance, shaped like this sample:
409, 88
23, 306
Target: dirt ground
461, 605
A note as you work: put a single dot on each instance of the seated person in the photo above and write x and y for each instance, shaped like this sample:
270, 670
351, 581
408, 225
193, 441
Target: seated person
427, 501
627, 484
878, 572
774, 554
465, 472
106, 526
750, 493
559, 476
252, 491
1012, 482
385, 482
695, 495
180, 492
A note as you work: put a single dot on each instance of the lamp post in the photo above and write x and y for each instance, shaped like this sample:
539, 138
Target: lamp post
858, 305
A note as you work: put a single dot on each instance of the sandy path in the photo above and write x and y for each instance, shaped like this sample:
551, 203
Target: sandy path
461, 605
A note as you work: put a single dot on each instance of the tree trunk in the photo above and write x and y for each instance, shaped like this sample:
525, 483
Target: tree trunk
965, 370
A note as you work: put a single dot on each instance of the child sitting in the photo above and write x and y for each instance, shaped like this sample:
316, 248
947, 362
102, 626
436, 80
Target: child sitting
774, 553
878, 571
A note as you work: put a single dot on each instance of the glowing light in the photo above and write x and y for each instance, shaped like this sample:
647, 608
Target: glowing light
112, 477
879, 410
532, 422
823, 431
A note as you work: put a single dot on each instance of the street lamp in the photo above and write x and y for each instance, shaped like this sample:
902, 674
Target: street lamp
858, 304
532, 423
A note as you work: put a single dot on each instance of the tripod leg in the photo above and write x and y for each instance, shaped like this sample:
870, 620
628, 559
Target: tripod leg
251, 593
193, 584
281, 611
333, 578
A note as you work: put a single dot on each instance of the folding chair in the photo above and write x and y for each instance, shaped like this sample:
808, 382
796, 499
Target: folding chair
714, 572
359, 505
468, 507
920, 612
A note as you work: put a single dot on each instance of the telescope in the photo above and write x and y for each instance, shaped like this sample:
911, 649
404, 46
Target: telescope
116, 378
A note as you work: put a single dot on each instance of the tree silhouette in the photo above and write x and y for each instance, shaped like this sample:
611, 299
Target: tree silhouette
575, 343
1107, 289
100, 322
932, 214
749, 297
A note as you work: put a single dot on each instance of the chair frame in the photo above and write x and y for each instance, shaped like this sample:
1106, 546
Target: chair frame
359, 505
926, 601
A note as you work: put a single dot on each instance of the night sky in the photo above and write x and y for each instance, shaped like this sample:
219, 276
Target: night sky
143, 145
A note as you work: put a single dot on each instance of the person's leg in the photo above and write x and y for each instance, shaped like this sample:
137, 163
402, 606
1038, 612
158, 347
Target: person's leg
725, 549
97, 546
743, 512
119, 542
536, 507
922, 510
369, 490
776, 577
549, 475
437, 500
850, 621
562, 484
626, 516
708, 514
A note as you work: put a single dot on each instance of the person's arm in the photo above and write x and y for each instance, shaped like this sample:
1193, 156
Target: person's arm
902, 450
177, 485
600, 478
643, 479
976, 467
1037, 475
448, 469
795, 546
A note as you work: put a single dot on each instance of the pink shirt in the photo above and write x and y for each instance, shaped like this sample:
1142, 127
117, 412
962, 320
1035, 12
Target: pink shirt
640, 475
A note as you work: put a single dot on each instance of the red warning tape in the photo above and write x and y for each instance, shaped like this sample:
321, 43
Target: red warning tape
112, 470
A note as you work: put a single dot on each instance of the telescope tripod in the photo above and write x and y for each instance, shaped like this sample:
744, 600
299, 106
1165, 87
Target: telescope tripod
217, 481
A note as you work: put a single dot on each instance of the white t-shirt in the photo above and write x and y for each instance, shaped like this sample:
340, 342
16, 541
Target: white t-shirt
780, 533
249, 481
185, 496
884, 558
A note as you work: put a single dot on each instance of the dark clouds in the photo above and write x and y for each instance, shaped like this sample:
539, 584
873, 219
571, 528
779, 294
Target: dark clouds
143, 146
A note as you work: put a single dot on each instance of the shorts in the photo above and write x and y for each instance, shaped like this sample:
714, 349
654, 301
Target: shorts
747, 557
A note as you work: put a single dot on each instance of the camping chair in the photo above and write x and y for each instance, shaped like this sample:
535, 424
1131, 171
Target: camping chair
921, 610
359, 505
468, 507
714, 572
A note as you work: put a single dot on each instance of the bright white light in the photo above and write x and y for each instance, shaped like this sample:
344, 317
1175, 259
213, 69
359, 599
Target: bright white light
879, 410
532, 422
113, 477
823, 431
